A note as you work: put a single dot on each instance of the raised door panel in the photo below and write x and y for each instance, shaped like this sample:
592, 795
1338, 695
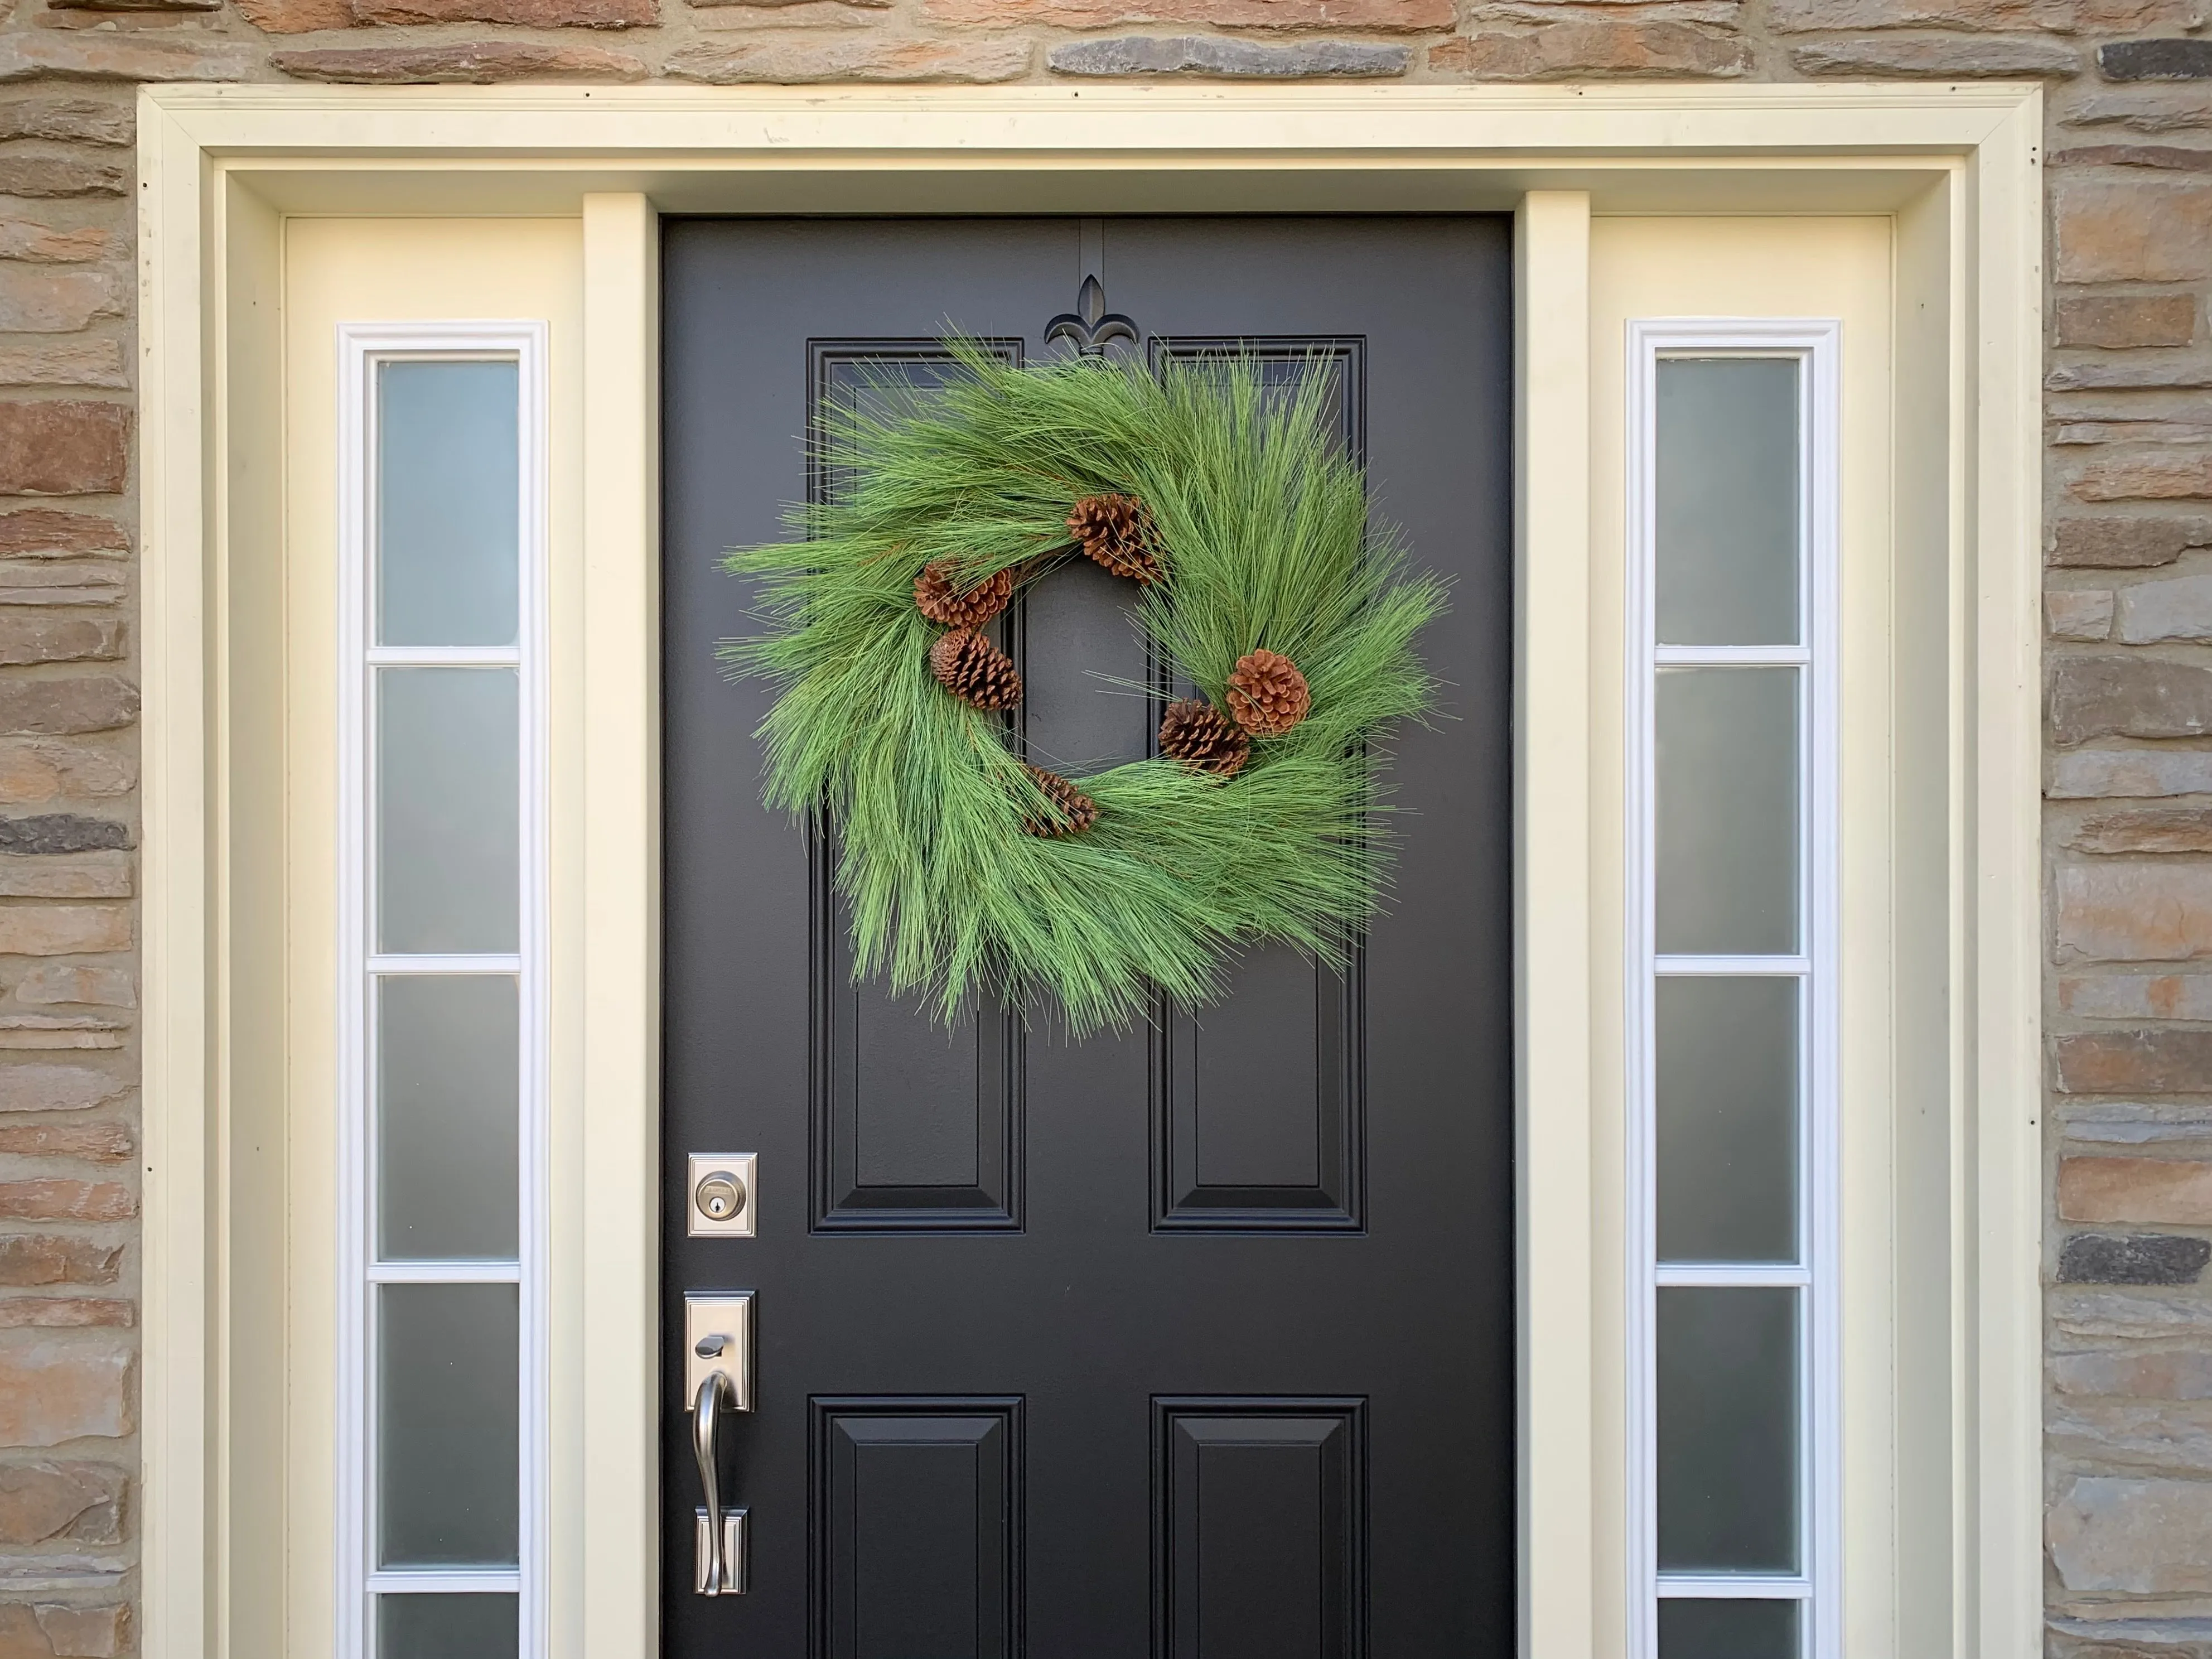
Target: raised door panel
1261, 1528
1258, 1102
917, 1528
917, 1125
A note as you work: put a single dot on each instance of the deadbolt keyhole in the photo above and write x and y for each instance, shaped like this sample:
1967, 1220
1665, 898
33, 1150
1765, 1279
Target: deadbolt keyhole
719, 1195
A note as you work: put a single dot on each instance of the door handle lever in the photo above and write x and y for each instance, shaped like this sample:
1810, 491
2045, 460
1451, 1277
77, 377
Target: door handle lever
721, 1540
718, 1371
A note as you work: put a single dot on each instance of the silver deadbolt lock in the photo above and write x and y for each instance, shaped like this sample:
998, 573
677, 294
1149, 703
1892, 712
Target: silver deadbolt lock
722, 1194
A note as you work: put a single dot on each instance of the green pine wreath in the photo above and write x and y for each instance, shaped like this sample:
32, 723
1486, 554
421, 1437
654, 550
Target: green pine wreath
1234, 508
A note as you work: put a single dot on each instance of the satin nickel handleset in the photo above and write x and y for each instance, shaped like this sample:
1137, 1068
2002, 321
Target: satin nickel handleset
718, 1364
717, 1360
718, 1377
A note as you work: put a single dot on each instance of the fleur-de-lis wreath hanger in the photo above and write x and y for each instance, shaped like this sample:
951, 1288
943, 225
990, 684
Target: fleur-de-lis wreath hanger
1091, 325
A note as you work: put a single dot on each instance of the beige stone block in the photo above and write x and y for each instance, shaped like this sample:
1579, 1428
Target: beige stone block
111, 1143
62, 930
2126, 543
2167, 1437
54, 532
1352, 15
2126, 322
2078, 613
29, 239
39, 174
2136, 996
1928, 56
55, 299
59, 1389
1568, 48
92, 120
2183, 110
70, 707
2133, 912
2149, 1059
60, 582
20, 1031
56, 1313
32, 1258
2146, 478
64, 362
2096, 773
64, 982
48, 54
34, 638
297, 16
2128, 696
2106, 434
2112, 230
2056, 16
2111, 1535
2175, 1192
35, 1088
525, 14
2161, 1375
81, 875
2159, 372
869, 58
2145, 829
57, 1198
472, 62
45, 1501
76, 1632
33, 770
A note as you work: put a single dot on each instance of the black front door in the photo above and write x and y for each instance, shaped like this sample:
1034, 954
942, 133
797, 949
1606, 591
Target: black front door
1195, 1342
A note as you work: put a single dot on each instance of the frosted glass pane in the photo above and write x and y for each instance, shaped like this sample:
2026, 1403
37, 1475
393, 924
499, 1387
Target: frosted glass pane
447, 487
449, 1113
1727, 507
1727, 784
446, 1626
1728, 1430
1728, 1119
449, 869
448, 1425
1727, 1630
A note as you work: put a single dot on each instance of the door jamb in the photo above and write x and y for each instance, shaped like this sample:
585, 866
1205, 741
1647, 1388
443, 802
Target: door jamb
221, 168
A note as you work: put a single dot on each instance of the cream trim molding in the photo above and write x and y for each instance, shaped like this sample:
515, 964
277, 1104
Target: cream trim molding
1954, 167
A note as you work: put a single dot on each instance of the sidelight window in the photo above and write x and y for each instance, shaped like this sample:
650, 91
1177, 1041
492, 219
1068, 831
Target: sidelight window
441, 1313
1732, 1349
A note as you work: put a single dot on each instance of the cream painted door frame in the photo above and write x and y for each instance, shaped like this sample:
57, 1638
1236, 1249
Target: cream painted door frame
1953, 168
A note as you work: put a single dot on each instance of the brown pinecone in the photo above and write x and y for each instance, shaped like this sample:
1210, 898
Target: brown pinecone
1078, 811
1116, 532
976, 671
1204, 739
1267, 693
940, 595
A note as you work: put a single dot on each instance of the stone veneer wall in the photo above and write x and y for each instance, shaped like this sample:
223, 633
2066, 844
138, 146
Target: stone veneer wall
2130, 613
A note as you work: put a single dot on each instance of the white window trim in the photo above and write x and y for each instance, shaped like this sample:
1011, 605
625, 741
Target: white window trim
362, 348
1958, 165
1818, 345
